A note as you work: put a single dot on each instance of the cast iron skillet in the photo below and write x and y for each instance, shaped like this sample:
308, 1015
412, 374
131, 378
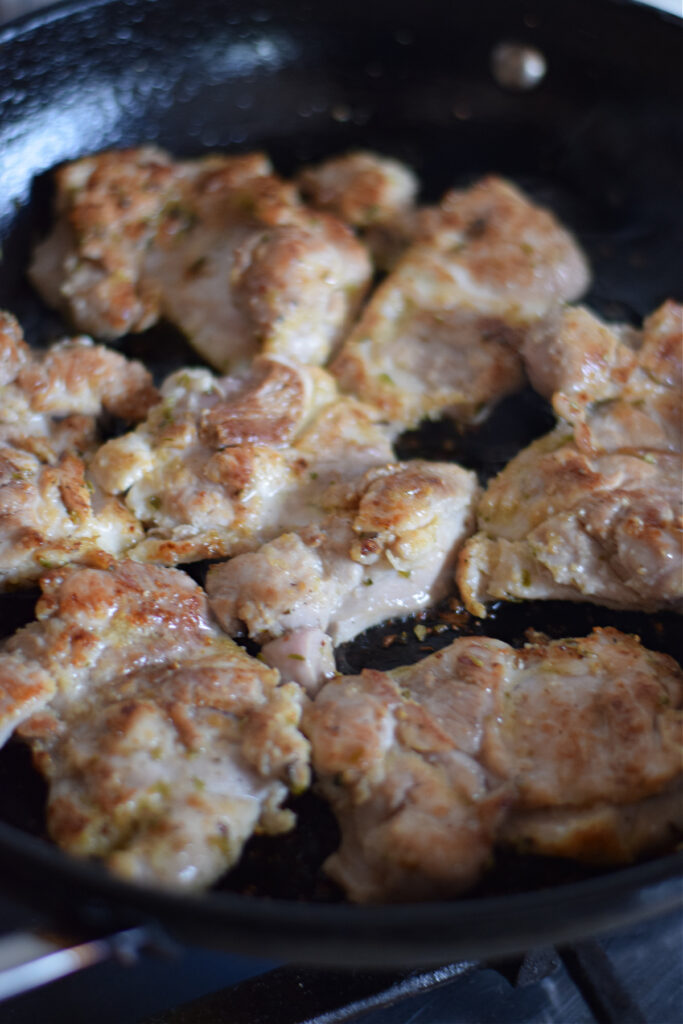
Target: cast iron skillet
598, 140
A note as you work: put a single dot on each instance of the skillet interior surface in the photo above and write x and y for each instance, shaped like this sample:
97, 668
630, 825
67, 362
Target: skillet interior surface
599, 141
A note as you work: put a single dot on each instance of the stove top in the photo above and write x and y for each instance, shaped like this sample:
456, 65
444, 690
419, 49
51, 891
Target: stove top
634, 976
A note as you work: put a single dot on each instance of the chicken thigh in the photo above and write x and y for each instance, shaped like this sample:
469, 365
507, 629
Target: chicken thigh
386, 548
220, 246
594, 510
442, 333
163, 743
567, 748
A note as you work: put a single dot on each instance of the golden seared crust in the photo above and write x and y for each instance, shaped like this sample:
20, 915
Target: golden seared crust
603, 834
506, 243
269, 411
77, 376
23, 692
578, 356
430, 766
220, 246
14, 352
361, 188
223, 463
594, 510
51, 399
661, 352
588, 720
576, 360
442, 333
50, 403
373, 193
165, 745
51, 514
570, 526
107, 210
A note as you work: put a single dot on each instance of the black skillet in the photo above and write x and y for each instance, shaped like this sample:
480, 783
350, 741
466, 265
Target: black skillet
599, 140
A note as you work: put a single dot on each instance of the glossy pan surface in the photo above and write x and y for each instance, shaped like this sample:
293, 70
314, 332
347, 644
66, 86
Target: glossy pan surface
599, 140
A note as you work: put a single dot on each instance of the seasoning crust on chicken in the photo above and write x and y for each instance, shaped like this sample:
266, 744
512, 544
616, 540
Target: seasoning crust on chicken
361, 188
567, 748
594, 510
219, 246
164, 744
50, 404
441, 335
223, 464
386, 548
51, 399
375, 194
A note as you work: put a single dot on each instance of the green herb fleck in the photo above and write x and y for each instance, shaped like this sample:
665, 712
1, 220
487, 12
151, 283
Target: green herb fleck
296, 657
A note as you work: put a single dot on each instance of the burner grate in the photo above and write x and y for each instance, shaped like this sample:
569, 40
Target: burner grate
302, 996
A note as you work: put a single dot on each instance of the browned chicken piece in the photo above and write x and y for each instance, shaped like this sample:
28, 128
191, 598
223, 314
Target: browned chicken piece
566, 748
54, 514
441, 335
223, 464
594, 510
51, 398
164, 744
373, 193
361, 188
50, 402
220, 246
576, 361
387, 547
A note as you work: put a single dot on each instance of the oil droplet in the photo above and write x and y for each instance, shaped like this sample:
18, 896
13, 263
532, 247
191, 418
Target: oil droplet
516, 66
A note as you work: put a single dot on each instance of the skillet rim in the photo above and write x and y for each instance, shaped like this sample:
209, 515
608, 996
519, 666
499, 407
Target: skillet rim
372, 934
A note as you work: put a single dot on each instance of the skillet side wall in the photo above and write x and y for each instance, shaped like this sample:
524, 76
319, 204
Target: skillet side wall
600, 140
